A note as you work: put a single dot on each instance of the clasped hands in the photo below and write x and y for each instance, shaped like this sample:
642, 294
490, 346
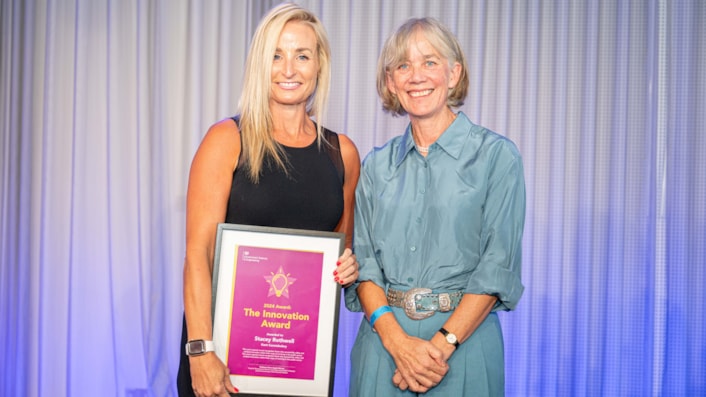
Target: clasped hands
420, 364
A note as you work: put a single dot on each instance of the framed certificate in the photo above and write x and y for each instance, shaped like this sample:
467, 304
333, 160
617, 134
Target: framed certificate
275, 308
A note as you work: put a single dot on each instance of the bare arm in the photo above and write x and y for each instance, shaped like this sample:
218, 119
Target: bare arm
207, 197
470, 313
351, 164
347, 269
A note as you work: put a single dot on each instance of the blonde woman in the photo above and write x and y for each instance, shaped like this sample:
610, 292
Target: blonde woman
270, 166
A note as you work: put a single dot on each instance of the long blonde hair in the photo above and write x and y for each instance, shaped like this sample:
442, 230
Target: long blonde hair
255, 117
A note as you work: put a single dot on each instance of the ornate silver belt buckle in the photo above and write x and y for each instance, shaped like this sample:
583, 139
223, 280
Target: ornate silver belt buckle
410, 299
444, 302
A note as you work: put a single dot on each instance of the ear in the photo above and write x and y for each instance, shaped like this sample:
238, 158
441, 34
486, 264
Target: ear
389, 83
455, 75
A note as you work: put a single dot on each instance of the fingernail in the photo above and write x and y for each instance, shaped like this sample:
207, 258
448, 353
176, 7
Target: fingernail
341, 281
338, 263
335, 272
335, 279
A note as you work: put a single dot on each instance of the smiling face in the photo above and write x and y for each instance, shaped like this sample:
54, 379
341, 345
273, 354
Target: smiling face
295, 65
423, 80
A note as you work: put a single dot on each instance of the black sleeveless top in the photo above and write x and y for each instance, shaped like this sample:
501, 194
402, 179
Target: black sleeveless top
309, 197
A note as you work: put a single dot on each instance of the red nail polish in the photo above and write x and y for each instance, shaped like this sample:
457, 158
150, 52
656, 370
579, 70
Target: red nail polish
335, 273
335, 279
338, 263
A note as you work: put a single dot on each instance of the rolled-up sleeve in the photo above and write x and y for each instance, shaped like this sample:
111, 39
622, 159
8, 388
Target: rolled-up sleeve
498, 272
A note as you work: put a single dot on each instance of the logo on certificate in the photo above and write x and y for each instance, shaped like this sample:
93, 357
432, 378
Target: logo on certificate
279, 283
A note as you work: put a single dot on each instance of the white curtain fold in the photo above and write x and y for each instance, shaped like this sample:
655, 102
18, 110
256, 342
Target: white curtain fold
103, 103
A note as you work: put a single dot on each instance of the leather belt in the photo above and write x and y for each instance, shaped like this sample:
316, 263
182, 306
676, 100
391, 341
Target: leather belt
420, 303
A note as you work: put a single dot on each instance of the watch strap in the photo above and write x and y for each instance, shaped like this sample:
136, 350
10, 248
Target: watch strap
453, 340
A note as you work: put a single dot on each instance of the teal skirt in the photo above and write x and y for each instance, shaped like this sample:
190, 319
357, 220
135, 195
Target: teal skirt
477, 367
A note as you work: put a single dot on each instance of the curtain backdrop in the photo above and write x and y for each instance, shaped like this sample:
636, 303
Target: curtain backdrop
103, 104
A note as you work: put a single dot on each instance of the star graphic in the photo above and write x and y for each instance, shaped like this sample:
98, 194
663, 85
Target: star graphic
279, 283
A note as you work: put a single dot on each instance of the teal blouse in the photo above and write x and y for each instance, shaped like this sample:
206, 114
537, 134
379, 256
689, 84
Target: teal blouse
451, 221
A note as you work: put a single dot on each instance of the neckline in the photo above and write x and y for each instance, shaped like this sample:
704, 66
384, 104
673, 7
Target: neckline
298, 147
301, 147
425, 149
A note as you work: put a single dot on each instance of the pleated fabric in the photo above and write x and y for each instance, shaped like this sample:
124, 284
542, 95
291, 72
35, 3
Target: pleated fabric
475, 369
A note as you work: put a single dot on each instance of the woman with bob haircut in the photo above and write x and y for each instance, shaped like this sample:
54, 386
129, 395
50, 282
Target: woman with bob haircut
271, 165
439, 219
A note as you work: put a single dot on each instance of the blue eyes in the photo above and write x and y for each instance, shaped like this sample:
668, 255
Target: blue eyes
427, 64
300, 57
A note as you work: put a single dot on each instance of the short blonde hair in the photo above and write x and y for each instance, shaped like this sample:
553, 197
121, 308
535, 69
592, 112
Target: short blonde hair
255, 118
395, 52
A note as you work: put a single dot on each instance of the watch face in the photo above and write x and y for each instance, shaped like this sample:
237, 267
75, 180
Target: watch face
196, 346
451, 338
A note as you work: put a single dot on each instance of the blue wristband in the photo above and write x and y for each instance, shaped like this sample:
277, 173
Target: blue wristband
379, 312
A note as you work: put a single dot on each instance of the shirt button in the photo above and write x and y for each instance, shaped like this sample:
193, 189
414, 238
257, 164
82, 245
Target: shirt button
413, 248
418, 220
410, 279
422, 190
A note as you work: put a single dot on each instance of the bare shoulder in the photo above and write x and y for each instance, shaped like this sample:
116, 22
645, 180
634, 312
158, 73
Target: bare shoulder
221, 142
351, 161
224, 131
349, 151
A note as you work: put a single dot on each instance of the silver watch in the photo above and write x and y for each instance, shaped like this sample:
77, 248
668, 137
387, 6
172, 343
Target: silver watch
198, 347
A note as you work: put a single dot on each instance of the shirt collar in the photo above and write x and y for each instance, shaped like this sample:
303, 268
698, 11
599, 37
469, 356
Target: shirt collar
451, 141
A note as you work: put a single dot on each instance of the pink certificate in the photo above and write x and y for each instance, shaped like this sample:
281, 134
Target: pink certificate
275, 308
275, 323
